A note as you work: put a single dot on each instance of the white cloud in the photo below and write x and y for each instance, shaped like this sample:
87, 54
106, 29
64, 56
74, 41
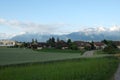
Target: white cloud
114, 28
6, 36
58, 28
30, 26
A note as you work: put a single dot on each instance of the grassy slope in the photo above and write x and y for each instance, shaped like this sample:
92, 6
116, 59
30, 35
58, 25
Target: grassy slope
83, 69
17, 55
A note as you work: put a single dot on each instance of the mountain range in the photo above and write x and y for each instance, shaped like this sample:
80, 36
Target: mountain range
87, 34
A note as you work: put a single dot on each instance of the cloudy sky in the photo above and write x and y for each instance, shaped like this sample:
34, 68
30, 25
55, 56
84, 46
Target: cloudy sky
56, 16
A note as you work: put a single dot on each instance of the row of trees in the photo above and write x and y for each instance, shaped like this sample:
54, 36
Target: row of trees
57, 43
60, 43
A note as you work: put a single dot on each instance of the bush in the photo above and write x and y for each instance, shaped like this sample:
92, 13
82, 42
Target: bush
110, 50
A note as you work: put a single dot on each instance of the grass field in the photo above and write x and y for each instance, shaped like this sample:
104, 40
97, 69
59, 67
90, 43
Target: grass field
61, 51
81, 69
21, 55
37, 65
99, 52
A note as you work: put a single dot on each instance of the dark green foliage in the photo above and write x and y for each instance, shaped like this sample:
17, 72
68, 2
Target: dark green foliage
105, 41
111, 48
73, 46
33, 41
87, 48
60, 44
92, 45
51, 42
69, 43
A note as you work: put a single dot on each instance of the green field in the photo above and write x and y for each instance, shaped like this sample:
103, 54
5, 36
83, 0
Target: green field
21, 55
81, 69
27, 64
61, 51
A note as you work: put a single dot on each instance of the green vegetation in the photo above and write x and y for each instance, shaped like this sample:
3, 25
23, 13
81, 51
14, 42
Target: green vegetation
99, 52
53, 50
45, 64
111, 47
80, 69
23, 55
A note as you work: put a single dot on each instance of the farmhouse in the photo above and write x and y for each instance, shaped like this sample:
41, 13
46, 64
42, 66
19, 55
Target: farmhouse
99, 45
7, 43
82, 44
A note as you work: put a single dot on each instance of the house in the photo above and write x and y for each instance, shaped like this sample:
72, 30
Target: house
99, 45
18, 44
7, 43
61, 45
117, 43
41, 45
87, 46
80, 44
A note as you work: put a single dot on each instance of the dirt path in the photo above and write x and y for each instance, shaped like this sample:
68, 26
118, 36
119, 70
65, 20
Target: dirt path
88, 53
117, 74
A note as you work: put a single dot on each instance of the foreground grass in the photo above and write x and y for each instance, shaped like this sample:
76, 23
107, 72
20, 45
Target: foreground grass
82, 69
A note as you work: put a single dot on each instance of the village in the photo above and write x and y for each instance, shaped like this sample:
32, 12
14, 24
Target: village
60, 44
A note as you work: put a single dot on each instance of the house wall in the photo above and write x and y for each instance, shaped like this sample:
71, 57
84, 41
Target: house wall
7, 43
118, 47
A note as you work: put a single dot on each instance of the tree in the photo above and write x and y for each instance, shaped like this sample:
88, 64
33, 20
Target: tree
58, 40
92, 45
69, 43
111, 48
33, 41
51, 42
36, 41
73, 46
105, 41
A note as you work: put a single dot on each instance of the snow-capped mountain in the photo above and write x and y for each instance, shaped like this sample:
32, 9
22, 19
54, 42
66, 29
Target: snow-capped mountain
87, 34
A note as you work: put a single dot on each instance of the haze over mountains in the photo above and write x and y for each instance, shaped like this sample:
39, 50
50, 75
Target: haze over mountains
86, 34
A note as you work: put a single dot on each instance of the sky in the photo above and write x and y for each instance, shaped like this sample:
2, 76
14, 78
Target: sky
56, 16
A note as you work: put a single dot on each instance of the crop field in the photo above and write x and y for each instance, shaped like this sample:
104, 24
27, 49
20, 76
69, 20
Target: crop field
21, 55
28, 64
79, 69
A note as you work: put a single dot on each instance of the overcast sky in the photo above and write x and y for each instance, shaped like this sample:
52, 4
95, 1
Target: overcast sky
56, 16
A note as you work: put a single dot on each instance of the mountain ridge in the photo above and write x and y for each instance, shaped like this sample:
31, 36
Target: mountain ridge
87, 34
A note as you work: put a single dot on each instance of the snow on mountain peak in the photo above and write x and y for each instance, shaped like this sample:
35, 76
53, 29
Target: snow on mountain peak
114, 28
101, 29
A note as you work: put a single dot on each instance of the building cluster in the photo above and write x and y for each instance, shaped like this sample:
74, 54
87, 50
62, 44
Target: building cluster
78, 44
7, 43
58, 45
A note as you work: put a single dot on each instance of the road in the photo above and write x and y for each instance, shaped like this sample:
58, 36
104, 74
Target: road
88, 53
117, 74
